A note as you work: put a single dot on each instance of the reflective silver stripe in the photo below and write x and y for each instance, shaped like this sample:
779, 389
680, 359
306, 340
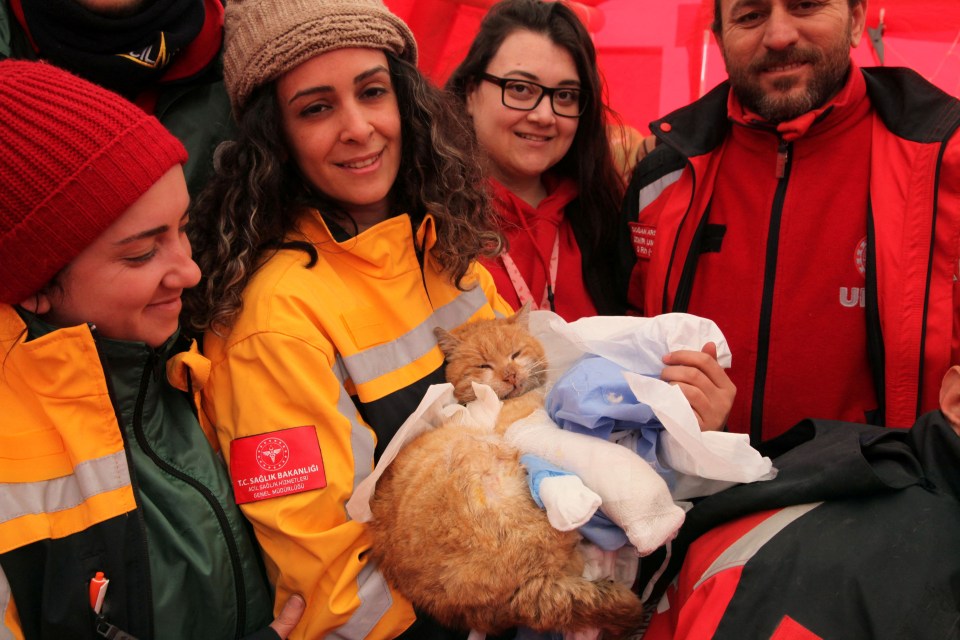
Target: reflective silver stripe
382, 359
5, 633
361, 439
339, 370
375, 602
457, 311
48, 496
740, 552
653, 190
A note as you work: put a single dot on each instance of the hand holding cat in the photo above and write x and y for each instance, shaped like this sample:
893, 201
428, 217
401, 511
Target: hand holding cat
704, 383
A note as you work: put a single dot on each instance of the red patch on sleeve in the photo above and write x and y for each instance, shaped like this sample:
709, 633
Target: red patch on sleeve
278, 463
642, 236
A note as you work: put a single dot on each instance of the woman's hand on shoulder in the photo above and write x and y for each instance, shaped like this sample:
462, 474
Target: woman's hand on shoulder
704, 384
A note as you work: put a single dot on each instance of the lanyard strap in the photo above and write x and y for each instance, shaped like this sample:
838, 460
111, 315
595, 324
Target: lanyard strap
520, 285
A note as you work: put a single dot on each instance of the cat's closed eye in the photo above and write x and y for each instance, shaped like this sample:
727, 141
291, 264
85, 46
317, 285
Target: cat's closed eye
516, 355
484, 366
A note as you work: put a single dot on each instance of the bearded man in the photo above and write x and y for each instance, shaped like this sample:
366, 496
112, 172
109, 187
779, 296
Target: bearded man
812, 209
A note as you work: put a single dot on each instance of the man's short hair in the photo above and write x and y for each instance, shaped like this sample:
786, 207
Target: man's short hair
717, 22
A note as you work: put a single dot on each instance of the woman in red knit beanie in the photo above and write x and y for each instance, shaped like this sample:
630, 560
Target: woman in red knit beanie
116, 515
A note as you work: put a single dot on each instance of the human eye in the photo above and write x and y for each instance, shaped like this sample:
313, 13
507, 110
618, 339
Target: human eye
374, 91
806, 6
747, 18
521, 90
142, 258
314, 109
566, 97
750, 13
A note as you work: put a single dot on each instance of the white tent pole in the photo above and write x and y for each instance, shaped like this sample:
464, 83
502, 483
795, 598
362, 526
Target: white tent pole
703, 62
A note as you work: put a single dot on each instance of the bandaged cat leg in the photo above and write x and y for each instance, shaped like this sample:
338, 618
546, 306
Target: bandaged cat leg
634, 496
569, 504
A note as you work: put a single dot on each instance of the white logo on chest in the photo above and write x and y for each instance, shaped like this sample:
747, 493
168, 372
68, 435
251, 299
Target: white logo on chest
856, 296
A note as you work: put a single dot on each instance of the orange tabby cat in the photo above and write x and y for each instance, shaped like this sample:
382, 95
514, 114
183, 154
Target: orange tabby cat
454, 526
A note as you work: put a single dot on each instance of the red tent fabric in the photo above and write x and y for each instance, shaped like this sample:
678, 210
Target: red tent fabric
658, 55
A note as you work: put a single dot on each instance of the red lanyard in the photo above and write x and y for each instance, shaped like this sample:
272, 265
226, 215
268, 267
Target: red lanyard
520, 285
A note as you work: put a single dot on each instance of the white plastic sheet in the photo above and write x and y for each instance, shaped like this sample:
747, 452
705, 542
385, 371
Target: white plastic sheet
706, 462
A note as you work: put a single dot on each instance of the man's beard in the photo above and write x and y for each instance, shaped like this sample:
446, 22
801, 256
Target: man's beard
829, 74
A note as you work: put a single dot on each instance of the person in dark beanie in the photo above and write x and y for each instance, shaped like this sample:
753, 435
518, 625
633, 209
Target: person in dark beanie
116, 515
164, 55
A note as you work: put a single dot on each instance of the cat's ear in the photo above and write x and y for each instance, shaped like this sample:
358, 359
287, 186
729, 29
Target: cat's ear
446, 341
522, 317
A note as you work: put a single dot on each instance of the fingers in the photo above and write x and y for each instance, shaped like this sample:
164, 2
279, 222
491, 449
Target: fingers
700, 405
704, 384
289, 616
710, 349
703, 361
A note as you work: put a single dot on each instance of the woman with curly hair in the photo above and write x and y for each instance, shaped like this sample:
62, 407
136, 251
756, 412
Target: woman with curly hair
341, 228
531, 85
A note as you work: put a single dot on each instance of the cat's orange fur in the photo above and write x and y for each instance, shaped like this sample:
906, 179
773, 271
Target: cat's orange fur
454, 527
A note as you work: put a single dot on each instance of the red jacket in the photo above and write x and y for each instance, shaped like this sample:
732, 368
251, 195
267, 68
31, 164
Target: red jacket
888, 372
531, 233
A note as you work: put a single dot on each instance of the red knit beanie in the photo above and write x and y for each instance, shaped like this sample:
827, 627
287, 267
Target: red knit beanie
73, 158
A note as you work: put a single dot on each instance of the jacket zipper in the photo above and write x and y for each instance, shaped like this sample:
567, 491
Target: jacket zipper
199, 487
875, 348
681, 297
926, 293
421, 260
681, 300
784, 162
144, 559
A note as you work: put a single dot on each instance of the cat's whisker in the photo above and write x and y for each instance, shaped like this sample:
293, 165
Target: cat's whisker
551, 370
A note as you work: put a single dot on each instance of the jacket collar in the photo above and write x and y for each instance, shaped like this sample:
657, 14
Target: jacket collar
560, 193
908, 105
699, 127
848, 103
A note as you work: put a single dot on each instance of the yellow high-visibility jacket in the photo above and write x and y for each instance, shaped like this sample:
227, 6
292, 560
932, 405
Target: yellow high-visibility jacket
103, 467
345, 346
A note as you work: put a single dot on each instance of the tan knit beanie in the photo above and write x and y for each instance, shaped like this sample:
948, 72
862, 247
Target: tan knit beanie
266, 38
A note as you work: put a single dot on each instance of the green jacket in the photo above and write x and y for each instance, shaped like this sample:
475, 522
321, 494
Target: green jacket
104, 467
197, 111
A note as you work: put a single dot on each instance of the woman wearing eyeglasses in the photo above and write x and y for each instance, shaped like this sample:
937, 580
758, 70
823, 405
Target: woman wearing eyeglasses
531, 85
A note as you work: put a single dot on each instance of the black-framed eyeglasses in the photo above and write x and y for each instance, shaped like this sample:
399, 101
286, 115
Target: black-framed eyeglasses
523, 95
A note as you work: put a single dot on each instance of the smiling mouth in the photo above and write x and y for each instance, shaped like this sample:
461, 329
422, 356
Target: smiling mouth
166, 303
360, 164
784, 67
532, 138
